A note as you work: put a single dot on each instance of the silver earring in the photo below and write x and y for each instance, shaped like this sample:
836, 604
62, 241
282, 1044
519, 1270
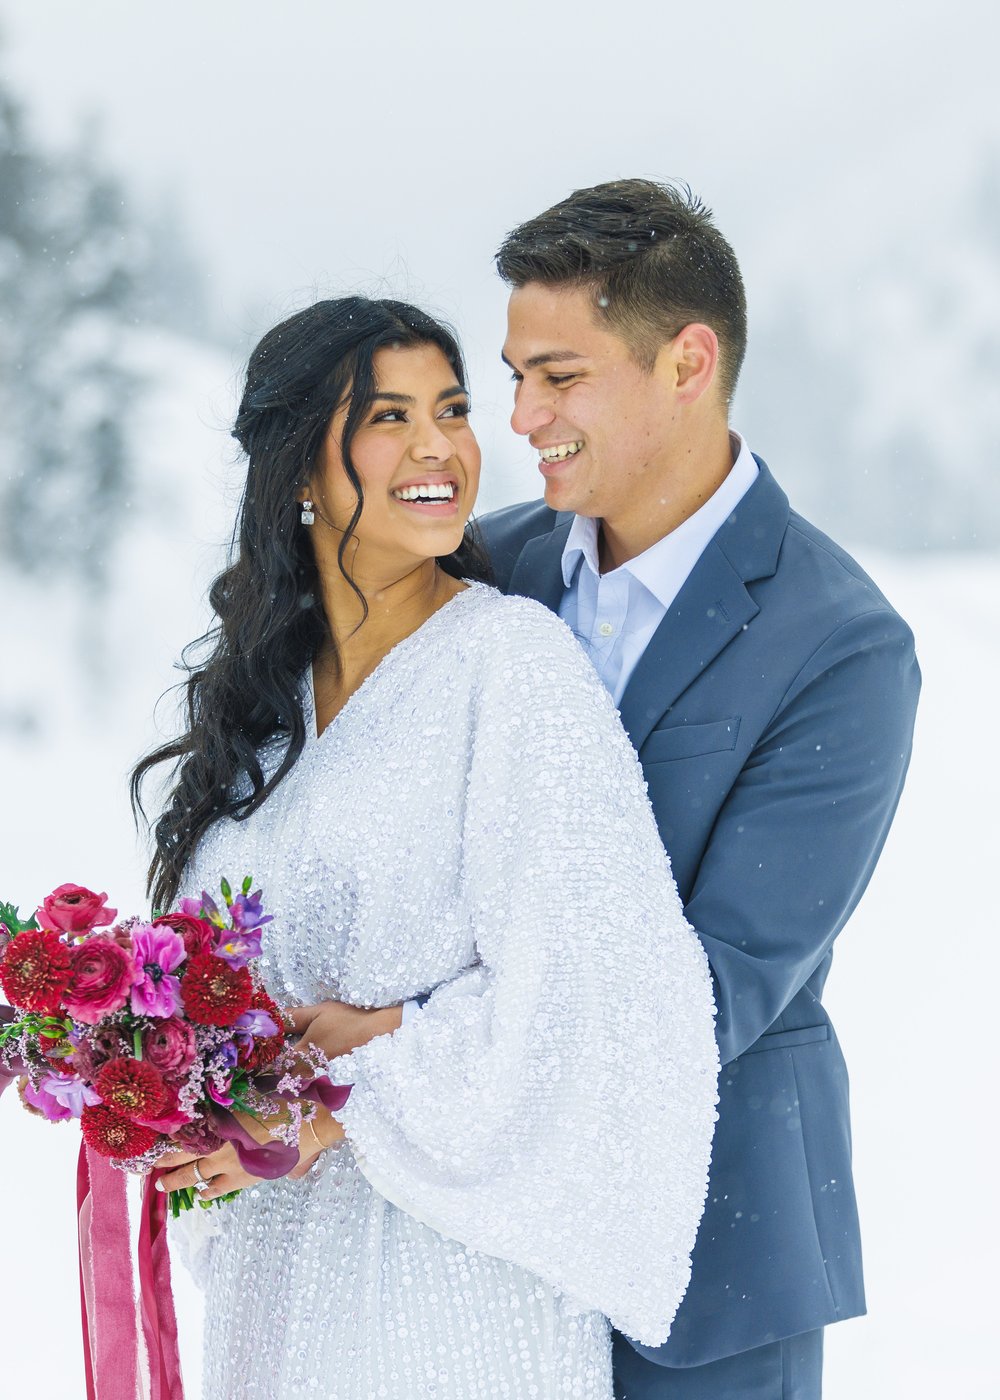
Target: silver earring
307, 516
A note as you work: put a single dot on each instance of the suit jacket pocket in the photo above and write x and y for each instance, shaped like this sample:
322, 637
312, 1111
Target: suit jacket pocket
690, 740
787, 1040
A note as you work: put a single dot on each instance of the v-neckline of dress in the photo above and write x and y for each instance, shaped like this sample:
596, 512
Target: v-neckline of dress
315, 736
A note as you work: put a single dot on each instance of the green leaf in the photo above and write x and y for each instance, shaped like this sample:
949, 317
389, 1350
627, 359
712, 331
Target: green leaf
13, 921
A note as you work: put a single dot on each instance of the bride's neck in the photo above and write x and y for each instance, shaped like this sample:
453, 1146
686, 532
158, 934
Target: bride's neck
395, 608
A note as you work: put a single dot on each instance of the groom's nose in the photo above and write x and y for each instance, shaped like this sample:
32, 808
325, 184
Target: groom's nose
532, 409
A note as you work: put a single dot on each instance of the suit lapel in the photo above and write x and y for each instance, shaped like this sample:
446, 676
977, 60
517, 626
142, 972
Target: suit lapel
710, 610
712, 607
538, 571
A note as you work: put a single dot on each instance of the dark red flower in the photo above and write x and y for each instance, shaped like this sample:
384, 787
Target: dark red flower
215, 993
198, 934
132, 1088
266, 1048
35, 971
108, 1133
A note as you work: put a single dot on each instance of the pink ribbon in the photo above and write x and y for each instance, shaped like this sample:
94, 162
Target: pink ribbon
111, 1346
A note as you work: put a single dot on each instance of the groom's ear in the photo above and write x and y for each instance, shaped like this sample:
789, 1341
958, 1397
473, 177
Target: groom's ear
690, 362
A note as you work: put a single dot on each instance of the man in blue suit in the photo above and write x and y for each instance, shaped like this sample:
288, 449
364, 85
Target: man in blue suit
770, 691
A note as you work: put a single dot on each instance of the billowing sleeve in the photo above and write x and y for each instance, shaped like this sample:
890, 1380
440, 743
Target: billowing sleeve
554, 1105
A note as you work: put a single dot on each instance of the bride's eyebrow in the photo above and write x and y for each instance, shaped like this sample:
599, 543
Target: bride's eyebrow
409, 399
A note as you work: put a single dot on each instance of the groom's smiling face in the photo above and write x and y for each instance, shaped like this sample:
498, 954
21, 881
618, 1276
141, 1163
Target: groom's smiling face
602, 424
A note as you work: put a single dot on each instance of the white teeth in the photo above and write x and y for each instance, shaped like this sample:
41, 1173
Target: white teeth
429, 492
557, 454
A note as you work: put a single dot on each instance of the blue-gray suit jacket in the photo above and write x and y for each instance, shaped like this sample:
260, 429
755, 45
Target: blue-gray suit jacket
773, 713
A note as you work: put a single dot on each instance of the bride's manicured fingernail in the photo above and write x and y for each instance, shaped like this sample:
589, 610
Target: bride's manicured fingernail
158, 1185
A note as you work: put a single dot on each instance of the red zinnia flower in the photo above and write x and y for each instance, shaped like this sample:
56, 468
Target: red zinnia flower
111, 1135
131, 1087
35, 971
215, 993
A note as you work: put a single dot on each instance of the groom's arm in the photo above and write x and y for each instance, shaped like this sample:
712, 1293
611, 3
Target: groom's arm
798, 837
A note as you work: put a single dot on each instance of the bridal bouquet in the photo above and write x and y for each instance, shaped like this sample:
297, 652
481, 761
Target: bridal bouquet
155, 1034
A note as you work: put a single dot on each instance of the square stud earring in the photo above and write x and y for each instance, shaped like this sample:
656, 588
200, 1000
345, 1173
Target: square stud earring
307, 516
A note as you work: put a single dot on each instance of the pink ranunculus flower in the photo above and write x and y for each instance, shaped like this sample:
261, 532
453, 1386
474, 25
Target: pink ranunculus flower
74, 909
102, 976
198, 934
156, 952
170, 1046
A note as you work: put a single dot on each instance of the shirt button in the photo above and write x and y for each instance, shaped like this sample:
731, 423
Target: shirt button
606, 629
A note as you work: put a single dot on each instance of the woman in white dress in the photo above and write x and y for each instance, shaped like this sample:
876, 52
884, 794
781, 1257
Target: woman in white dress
433, 788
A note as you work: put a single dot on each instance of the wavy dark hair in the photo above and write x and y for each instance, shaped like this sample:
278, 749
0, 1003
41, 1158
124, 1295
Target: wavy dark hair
270, 618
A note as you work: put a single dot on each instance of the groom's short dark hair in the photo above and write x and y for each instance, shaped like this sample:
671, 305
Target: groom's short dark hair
652, 259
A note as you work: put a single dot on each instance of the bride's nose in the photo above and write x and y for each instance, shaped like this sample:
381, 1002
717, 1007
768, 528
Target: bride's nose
431, 445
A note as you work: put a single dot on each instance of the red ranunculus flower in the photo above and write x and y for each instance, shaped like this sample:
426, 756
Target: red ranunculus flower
131, 1087
266, 1048
170, 1046
74, 909
215, 993
35, 971
103, 976
198, 934
111, 1135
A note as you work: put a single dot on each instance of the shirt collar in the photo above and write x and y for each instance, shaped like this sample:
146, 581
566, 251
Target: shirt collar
675, 555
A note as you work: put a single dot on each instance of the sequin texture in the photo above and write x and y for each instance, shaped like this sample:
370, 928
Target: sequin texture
529, 1154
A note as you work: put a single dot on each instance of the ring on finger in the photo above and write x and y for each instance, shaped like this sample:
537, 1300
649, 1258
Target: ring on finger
201, 1183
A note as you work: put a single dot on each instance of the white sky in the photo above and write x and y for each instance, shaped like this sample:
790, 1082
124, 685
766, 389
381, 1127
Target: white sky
319, 146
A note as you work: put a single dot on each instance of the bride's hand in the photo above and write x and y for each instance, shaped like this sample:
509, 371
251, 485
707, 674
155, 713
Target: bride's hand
222, 1167
336, 1028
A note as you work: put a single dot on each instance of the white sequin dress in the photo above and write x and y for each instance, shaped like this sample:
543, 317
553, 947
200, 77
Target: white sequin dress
529, 1155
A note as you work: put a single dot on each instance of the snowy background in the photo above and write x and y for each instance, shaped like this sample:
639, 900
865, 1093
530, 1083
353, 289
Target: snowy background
173, 182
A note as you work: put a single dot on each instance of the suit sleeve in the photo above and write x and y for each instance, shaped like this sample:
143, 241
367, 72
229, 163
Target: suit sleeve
796, 841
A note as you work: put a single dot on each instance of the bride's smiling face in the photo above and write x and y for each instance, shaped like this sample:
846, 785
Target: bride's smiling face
418, 460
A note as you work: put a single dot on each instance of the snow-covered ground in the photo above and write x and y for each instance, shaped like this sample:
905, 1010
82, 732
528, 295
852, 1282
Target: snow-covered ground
910, 991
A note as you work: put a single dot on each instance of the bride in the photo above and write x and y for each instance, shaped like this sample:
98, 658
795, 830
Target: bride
432, 787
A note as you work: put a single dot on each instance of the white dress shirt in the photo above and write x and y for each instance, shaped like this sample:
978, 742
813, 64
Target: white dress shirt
614, 615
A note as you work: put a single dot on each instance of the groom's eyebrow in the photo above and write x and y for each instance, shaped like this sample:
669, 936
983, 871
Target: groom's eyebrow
545, 358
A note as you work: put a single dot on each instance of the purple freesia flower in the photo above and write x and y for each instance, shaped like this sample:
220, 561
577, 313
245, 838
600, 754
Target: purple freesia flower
228, 1053
251, 1026
247, 911
258, 1023
238, 947
158, 950
60, 1096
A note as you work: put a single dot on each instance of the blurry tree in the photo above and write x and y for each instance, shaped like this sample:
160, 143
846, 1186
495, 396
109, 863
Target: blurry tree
874, 391
77, 274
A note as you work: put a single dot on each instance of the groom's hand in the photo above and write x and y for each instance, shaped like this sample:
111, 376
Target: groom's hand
336, 1028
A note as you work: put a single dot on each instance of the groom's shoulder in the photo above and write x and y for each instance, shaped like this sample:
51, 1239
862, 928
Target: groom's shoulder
507, 531
816, 566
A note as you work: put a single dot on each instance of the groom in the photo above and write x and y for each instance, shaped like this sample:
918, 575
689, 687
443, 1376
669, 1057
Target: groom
770, 691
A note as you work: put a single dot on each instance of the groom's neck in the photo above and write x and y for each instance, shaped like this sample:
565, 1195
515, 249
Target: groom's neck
677, 485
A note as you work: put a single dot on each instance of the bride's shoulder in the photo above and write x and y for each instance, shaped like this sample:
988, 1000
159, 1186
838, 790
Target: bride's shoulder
508, 619
505, 628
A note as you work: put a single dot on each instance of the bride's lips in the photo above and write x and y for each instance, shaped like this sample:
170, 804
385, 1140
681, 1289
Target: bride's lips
442, 509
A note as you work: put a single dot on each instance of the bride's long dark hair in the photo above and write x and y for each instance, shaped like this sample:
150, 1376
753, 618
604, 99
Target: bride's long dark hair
271, 622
